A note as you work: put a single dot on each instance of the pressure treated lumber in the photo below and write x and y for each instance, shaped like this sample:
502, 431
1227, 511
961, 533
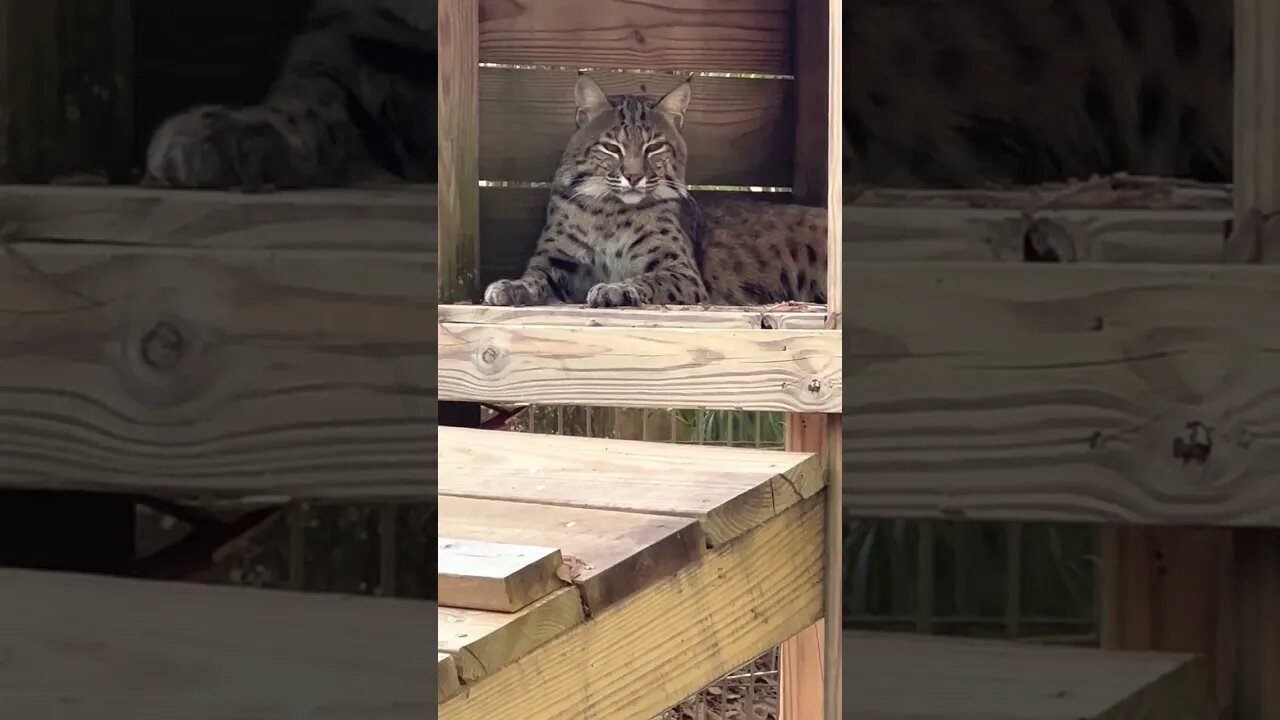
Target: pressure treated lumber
501, 577
80, 647
608, 555
482, 641
728, 490
448, 683
908, 677
1128, 393
788, 370
750, 595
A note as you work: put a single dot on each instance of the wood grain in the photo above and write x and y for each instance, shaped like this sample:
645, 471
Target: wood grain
737, 129
729, 490
731, 35
720, 613
608, 555
511, 220
221, 374
1059, 393
975, 234
906, 677
401, 219
459, 146
788, 370
448, 683
502, 577
482, 642
91, 647
792, 316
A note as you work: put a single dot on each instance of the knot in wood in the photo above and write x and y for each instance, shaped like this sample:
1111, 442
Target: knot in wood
769, 322
489, 355
814, 386
1196, 445
163, 346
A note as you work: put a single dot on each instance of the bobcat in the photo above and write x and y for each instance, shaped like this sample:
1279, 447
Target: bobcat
622, 228
354, 102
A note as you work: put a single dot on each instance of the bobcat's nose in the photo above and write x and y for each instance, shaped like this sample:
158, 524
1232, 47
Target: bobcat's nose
633, 179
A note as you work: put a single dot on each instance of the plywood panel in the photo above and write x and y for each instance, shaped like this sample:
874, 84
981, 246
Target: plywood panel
739, 131
1132, 393
728, 35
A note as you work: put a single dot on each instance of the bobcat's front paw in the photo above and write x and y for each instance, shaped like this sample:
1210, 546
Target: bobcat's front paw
216, 148
509, 293
607, 295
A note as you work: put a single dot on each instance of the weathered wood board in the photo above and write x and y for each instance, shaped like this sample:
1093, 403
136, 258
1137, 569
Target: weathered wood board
737, 129
728, 490
1106, 393
91, 648
734, 35
608, 555
792, 316
448, 683
611, 366
501, 577
482, 641
750, 595
158, 343
908, 677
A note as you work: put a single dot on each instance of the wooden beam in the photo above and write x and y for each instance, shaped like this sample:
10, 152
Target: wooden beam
1097, 393
501, 577
459, 163
66, 90
482, 642
789, 316
94, 647
660, 367
739, 614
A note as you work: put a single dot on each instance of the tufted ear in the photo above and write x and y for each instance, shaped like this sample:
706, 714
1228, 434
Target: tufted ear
676, 102
591, 99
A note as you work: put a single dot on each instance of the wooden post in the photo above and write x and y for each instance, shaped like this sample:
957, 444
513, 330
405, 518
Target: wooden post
458, 247
66, 89
810, 662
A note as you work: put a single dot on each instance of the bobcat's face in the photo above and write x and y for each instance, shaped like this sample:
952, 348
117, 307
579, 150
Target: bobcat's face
627, 147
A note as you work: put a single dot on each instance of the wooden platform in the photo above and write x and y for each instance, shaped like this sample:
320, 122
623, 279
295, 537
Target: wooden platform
91, 648
680, 563
913, 677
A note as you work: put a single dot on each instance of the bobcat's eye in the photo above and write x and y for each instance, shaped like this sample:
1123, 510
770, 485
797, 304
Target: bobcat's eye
657, 147
611, 148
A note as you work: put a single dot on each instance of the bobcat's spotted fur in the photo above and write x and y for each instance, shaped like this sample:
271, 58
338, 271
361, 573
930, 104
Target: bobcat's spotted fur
974, 93
355, 101
622, 228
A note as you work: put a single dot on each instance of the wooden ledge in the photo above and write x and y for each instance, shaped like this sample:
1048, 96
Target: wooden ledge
86, 648
907, 677
725, 359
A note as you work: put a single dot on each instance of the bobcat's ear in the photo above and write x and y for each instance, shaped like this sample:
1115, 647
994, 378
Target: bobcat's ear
591, 100
676, 102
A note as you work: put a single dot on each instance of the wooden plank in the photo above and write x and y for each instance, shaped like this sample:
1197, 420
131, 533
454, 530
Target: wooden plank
738, 130
729, 490
94, 647
66, 89
448, 683
483, 642
165, 371
658, 647
906, 677
788, 370
974, 234
791, 316
459, 147
608, 555
511, 220
1062, 393
733, 35
502, 577
401, 219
